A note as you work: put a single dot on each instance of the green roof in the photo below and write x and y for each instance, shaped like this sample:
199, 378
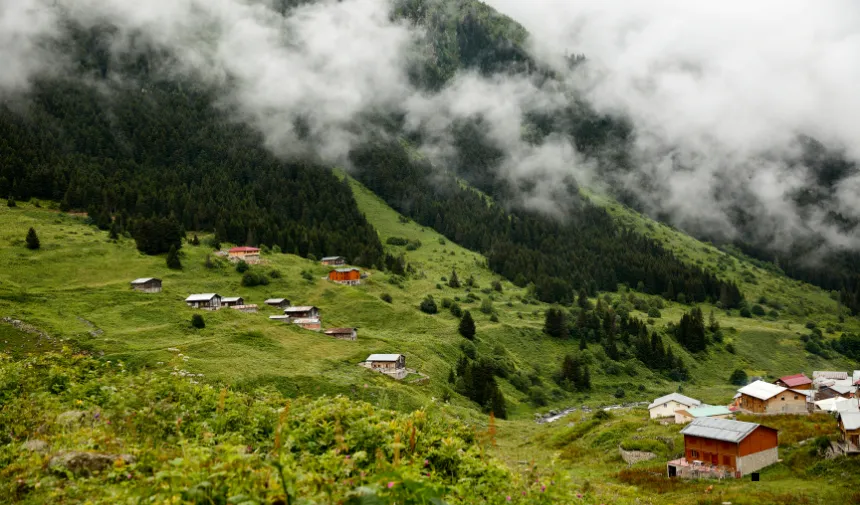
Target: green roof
711, 411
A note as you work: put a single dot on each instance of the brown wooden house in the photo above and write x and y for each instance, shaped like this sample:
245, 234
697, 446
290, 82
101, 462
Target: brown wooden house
147, 285
722, 447
350, 276
835, 391
796, 381
333, 261
849, 425
303, 312
281, 303
206, 301
232, 301
762, 397
342, 333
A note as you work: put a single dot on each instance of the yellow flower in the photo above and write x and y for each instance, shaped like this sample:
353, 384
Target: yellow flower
79, 402
119, 463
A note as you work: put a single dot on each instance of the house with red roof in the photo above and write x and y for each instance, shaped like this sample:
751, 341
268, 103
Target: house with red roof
796, 381
244, 253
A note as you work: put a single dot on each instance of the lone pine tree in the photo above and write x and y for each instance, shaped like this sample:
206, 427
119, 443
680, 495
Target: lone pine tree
33, 240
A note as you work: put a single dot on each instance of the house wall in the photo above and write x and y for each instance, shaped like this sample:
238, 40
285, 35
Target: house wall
336, 262
756, 461
344, 336
351, 277
667, 409
787, 402
709, 451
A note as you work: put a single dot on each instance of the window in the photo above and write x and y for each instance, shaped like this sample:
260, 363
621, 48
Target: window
694, 454
783, 398
795, 397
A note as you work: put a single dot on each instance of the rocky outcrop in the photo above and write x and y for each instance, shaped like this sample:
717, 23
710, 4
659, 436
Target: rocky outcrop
35, 445
633, 457
71, 417
86, 463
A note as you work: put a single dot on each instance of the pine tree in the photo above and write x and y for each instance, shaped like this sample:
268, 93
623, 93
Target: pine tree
114, 231
195, 240
585, 384
10, 202
467, 326
582, 300
454, 282
173, 259
713, 324
33, 240
555, 323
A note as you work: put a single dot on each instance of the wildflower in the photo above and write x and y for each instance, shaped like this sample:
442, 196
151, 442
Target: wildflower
524, 493
579, 495
426, 462
79, 402
508, 498
542, 489
107, 421
128, 476
118, 463
390, 485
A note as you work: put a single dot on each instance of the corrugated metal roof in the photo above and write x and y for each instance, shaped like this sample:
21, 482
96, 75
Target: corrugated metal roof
144, 280
340, 330
710, 410
383, 357
306, 320
838, 404
229, 299
850, 420
719, 429
202, 297
843, 389
332, 258
829, 375
300, 309
761, 390
343, 270
795, 380
678, 397
275, 300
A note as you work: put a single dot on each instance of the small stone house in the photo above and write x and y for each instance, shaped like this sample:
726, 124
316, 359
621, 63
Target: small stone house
308, 312
307, 323
348, 276
393, 365
666, 406
725, 448
205, 301
765, 398
249, 255
796, 381
716, 412
281, 303
333, 261
342, 333
147, 285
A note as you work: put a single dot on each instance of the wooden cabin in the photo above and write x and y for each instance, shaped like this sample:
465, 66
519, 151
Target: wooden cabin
835, 391
333, 261
849, 425
796, 381
722, 447
349, 276
283, 319
247, 254
232, 301
303, 312
205, 301
386, 362
147, 285
666, 406
307, 323
342, 333
762, 397
281, 303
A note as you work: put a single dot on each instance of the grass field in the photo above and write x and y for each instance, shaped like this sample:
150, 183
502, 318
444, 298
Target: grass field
76, 289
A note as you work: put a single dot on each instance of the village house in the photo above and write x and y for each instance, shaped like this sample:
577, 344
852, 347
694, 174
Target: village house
393, 365
232, 301
684, 416
147, 285
206, 301
249, 255
837, 404
342, 333
333, 261
283, 319
765, 398
306, 312
796, 381
835, 391
849, 426
281, 303
666, 406
721, 448
307, 323
349, 276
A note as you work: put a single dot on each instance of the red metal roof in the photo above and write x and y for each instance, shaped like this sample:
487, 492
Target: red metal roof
244, 249
795, 380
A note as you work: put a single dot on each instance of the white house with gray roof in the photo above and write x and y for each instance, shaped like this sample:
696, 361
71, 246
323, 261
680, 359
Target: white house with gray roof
666, 406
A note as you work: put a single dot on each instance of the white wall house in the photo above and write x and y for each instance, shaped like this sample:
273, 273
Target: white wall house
666, 406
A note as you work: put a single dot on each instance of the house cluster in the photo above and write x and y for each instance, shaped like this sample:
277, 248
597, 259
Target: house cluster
214, 301
716, 445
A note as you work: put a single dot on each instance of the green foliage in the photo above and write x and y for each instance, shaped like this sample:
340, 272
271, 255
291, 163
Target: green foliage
757, 310
242, 266
10, 202
156, 235
654, 312
454, 282
308, 276
690, 331
574, 374
467, 326
198, 322
32, 240
745, 312
738, 377
385, 297
487, 306
428, 305
195, 241
173, 261
252, 278
555, 323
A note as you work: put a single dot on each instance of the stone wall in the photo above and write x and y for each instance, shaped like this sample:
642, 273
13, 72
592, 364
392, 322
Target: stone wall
754, 462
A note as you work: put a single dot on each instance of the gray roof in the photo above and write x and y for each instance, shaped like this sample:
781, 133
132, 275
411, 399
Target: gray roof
202, 297
829, 375
719, 429
346, 269
275, 300
383, 357
329, 258
678, 397
300, 309
144, 280
228, 299
305, 320
843, 389
761, 390
850, 420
